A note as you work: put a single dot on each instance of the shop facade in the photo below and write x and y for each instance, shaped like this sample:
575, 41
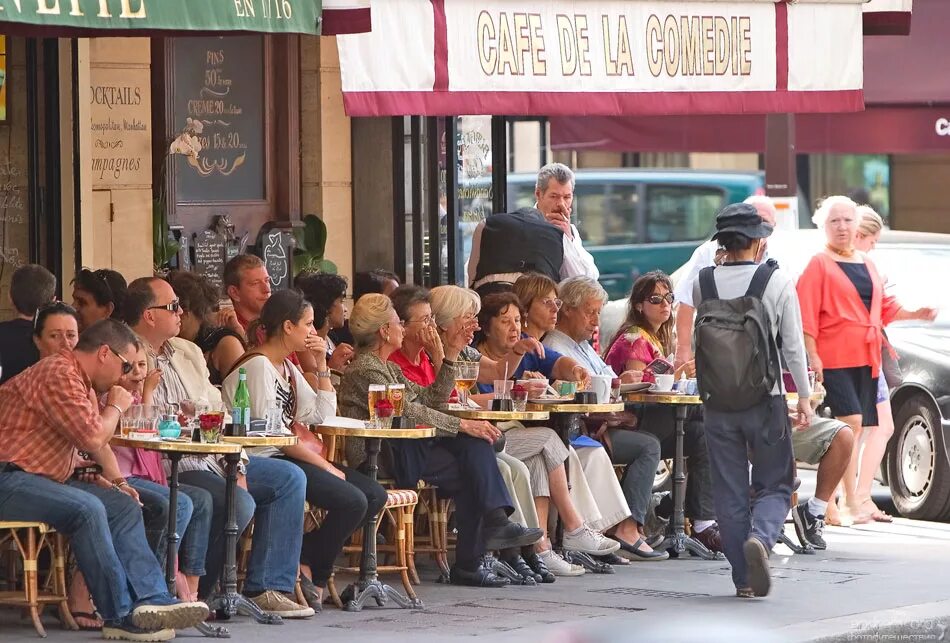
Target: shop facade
88, 176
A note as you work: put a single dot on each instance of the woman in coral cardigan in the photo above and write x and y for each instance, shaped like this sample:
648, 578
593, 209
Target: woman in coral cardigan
844, 310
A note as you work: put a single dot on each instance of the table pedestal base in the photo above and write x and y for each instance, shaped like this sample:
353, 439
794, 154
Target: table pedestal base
677, 542
231, 603
798, 549
587, 562
356, 596
212, 631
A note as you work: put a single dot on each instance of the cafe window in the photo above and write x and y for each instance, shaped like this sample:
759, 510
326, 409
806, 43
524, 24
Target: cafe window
864, 177
681, 212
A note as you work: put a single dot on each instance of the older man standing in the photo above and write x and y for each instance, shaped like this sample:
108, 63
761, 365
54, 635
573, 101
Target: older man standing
272, 490
49, 413
503, 258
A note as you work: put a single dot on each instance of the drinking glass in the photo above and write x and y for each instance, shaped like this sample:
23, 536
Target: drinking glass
274, 420
519, 400
210, 422
397, 396
377, 392
465, 377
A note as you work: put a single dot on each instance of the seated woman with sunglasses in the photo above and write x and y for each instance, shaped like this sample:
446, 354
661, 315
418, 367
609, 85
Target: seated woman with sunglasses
349, 497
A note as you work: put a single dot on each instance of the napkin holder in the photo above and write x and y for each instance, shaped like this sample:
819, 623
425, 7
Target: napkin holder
502, 405
585, 397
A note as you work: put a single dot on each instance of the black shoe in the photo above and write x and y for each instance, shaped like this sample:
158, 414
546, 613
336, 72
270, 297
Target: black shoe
520, 567
632, 552
125, 630
311, 594
537, 565
509, 536
810, 529
481, 577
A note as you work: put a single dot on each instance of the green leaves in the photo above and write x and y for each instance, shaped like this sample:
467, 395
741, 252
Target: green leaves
164, 246
311, 247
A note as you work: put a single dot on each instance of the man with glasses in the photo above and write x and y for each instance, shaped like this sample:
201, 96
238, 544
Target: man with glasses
51, 412
272, 491
31, 288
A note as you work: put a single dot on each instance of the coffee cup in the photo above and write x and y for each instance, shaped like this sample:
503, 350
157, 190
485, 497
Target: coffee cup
664, 383
600, 385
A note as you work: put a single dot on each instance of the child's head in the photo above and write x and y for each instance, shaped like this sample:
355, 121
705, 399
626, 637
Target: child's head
133, 381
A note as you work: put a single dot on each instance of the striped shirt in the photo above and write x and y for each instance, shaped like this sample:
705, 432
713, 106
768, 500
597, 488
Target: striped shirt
47, 413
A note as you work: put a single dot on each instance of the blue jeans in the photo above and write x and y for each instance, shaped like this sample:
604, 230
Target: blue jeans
193, 522
275, 498
105, 530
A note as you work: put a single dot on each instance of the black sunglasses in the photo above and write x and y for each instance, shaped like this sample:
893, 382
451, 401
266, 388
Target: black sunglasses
173, 307
126, 364
656, 300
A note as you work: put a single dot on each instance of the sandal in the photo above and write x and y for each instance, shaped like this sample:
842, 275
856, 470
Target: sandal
87, 621
876, 513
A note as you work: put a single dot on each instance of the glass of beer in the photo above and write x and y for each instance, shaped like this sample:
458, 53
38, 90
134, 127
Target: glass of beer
377, 392
465, 378
397, 395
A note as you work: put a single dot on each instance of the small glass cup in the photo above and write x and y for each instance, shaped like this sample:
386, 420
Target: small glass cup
211, 423
274, 420
376, 393
519, 400
615, 389
502, 389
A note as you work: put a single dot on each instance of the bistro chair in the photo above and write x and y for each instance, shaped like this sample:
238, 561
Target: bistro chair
21, 543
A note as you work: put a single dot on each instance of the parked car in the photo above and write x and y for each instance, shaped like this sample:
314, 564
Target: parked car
916, 466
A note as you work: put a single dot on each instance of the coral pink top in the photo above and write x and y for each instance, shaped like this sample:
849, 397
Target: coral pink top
847, 334
635, 344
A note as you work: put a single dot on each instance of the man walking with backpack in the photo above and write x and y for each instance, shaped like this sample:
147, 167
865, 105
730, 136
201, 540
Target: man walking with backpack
745, 312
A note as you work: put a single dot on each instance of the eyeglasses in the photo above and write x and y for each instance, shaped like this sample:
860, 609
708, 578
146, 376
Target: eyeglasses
52, 308
656, 300
552, 303
173, 307
126, 364
428, 320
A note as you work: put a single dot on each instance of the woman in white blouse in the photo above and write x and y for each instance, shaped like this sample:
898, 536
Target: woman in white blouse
349, 497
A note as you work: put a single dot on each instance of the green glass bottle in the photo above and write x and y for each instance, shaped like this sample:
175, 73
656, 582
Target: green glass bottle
241, 411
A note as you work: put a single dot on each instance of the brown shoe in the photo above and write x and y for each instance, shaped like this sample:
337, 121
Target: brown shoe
710, 538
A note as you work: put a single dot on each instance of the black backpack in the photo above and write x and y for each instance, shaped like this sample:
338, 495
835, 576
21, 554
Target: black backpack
522, 241
737, 357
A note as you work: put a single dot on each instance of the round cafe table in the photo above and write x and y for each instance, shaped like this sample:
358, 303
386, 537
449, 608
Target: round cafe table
368, 585
497, 416
175, 450
229, 601
676, 539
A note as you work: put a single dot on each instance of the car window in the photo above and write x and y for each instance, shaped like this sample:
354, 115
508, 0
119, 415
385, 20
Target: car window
520, 195
905, 269
606, 214
682, 212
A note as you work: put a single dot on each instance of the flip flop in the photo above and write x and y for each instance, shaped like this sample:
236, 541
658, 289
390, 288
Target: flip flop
87, 616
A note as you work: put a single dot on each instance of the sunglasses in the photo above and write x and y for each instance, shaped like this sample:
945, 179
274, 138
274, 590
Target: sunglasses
52, 308
126, 364
656, 300
173, 307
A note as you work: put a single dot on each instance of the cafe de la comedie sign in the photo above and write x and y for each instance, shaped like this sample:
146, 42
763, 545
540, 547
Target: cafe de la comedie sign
560, 57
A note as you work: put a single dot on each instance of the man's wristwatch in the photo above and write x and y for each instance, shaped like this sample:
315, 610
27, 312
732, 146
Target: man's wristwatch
241, 469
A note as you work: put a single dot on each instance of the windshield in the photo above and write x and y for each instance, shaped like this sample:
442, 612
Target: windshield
913, 274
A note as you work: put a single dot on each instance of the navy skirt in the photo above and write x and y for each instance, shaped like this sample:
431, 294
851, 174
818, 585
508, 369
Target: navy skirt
852, 391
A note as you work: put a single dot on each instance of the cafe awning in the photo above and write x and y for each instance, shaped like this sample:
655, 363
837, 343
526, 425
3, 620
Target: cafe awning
611, 57
887, 17
153, 17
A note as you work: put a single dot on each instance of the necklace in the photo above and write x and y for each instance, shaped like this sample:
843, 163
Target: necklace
485, 351
847, 254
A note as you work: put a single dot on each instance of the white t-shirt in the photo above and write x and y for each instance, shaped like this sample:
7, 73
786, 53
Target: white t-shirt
268, 386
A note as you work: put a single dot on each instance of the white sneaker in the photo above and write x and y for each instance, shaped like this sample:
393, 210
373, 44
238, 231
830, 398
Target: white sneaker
558, 566
590, 542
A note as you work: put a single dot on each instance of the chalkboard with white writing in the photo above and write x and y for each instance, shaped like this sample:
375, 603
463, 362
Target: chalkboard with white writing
209, 257
277, 251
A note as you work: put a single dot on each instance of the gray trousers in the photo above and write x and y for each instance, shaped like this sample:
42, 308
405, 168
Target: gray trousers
640, 451
763, 434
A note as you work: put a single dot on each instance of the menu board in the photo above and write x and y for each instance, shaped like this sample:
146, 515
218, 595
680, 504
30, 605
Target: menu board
220, 83
277, 250
209, 257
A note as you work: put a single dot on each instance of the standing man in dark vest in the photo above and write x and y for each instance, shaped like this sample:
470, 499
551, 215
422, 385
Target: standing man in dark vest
521, 242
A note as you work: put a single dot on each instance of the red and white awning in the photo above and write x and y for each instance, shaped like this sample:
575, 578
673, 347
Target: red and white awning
345, 17
887, 17
612, 57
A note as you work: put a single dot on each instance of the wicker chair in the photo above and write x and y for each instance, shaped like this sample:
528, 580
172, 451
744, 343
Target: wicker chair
22, 542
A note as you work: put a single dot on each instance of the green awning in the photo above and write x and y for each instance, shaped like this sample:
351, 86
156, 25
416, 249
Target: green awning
86, 17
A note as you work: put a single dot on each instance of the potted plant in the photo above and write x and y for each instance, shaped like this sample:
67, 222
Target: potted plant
311, 246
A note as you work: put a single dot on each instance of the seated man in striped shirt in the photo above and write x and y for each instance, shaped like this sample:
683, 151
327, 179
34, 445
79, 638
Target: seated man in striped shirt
49, 413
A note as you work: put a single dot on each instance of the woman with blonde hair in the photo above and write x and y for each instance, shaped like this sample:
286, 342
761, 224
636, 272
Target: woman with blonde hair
460, 461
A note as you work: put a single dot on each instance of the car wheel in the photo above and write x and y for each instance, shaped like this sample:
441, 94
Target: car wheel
917, 470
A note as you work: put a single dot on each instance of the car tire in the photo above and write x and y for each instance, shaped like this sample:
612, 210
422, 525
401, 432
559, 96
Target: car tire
917, 468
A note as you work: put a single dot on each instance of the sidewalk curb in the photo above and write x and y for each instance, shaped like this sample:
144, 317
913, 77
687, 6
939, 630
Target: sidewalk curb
920, 622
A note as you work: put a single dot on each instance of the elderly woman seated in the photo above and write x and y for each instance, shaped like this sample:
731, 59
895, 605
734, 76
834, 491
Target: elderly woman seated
461, 462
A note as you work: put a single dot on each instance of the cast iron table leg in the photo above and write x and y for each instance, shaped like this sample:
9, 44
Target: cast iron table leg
229, 602
171, 555
368, 587
676, 541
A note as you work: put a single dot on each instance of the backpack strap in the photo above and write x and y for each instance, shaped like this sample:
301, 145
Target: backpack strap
241, 360
707, 284
760, 280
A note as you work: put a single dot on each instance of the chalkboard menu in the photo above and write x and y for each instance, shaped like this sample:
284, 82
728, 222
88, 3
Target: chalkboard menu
220, 82
277, 250
209, 257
